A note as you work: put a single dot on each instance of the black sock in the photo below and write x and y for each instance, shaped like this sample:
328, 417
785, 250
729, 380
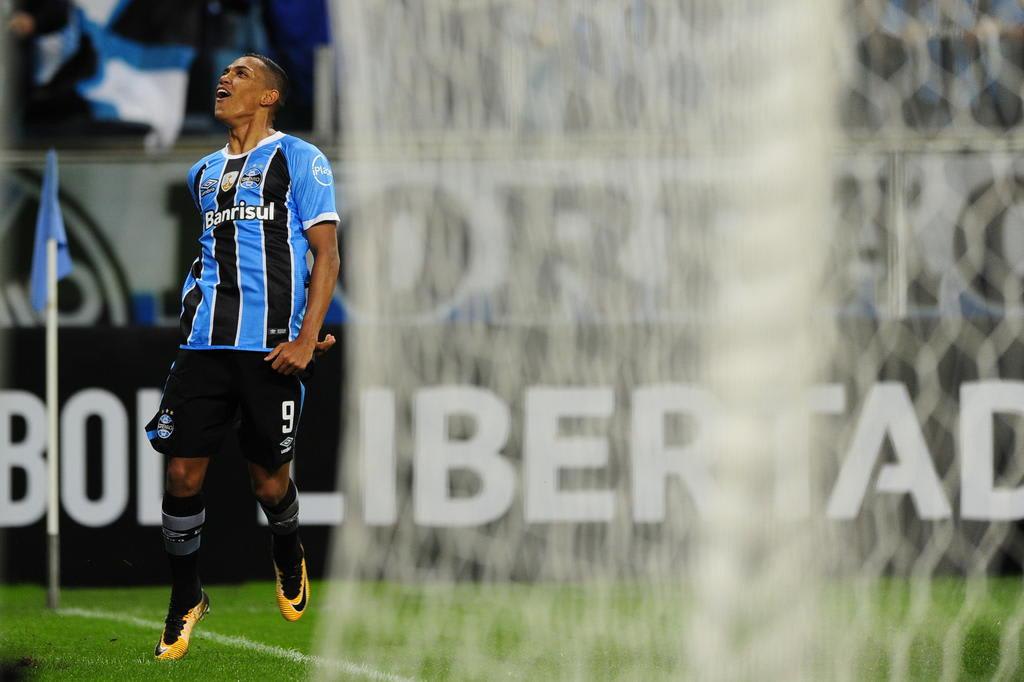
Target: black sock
183, 519
283, 518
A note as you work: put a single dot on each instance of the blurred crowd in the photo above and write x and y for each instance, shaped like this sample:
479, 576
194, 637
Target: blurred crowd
148, 68
934, 64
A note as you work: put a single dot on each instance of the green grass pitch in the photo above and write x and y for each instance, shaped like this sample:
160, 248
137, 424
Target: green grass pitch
385, 627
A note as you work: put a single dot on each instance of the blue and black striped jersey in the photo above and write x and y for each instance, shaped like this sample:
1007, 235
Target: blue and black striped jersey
247, 288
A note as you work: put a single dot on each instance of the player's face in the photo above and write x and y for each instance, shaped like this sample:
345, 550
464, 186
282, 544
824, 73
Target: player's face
242, 90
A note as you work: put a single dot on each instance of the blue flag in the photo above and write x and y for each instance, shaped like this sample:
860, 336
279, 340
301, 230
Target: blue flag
49, 225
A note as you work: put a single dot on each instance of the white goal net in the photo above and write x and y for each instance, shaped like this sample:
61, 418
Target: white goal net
683, 340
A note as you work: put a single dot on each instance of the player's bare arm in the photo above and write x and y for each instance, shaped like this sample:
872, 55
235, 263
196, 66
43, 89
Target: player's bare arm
294, 356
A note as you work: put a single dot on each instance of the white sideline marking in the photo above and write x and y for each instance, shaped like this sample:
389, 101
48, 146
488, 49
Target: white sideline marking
241, 642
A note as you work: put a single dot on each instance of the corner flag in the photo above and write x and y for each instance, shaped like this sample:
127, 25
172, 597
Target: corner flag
49, 225
50, 262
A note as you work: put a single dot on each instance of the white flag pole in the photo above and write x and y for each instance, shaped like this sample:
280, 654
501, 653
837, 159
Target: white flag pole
53, 509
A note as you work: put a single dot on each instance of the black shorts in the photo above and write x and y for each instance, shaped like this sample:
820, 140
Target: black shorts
209, 391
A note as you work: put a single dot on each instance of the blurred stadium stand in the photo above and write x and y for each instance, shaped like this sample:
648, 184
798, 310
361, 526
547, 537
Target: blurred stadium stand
98, 74
923, 66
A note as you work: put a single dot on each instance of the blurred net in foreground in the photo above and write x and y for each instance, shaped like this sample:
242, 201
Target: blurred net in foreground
581, 236
608, 266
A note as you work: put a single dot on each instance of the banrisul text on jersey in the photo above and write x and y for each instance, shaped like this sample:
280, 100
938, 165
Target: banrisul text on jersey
240, 212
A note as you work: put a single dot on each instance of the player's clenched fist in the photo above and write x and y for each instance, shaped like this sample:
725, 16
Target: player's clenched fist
293, 356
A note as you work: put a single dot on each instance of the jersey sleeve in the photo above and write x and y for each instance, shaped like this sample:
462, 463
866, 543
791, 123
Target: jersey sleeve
193, 184
312, 186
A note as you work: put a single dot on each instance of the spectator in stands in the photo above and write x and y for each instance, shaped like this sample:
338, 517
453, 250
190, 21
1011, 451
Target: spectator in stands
35, 17
29, 20
295, 29
936, 36
871, 97
1000, 43
964, 60
288, 31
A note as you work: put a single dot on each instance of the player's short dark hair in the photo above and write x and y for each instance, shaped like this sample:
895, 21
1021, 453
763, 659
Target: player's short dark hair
278, 78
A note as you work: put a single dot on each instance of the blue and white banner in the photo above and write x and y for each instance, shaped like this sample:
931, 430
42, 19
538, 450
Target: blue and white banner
142, 52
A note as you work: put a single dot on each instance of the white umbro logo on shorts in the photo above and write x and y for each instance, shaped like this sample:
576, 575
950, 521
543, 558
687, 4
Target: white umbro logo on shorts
286, 444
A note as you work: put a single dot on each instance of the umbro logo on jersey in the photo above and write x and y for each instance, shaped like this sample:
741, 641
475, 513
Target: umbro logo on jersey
208, 187
239, 212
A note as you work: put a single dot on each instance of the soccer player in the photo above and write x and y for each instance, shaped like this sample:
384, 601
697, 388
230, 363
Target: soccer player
249, 331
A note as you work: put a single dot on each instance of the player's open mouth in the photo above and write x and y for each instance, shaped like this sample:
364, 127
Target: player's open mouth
222, 93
